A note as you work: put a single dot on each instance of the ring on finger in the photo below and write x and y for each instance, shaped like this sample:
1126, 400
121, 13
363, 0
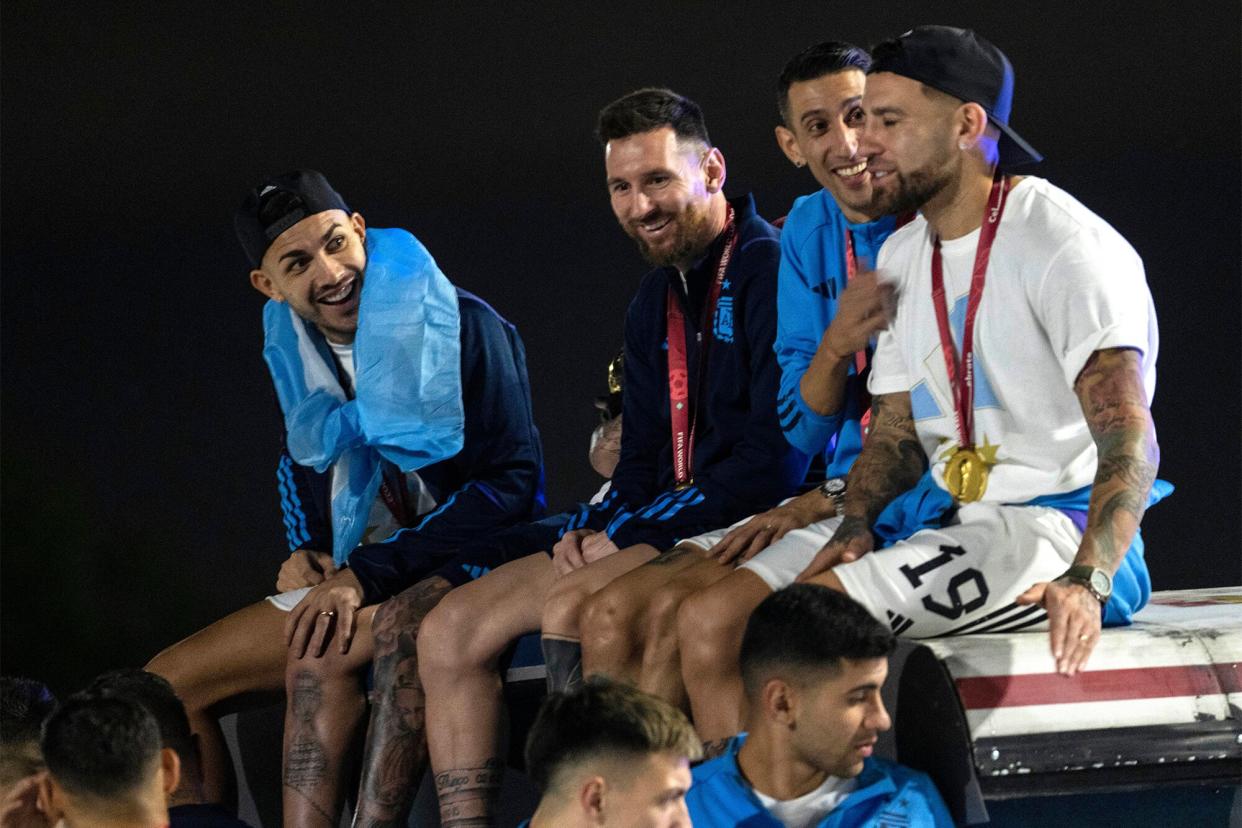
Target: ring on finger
1084, 637
328, 613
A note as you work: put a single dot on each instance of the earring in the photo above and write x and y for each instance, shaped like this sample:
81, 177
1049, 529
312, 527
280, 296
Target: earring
799, 164
961, 145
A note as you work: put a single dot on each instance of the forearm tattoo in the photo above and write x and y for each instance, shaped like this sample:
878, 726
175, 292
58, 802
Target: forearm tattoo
467, 795
306, 766
891, 461
396, 750
1114, 402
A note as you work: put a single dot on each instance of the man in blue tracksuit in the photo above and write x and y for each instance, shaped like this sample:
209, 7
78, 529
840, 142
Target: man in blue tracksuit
408, 433
813, 662
687, 605
700, 446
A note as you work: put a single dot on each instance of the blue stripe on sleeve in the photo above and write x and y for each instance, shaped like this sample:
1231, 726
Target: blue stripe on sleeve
296, 533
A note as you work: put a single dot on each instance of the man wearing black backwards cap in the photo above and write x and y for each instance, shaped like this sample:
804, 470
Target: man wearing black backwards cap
1012, 452
408, 434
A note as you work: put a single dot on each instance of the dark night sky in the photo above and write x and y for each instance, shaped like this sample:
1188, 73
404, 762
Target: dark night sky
139, 429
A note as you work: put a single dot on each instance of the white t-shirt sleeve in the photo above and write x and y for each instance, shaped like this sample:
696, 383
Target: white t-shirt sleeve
888, 370
1094, 296
888, 367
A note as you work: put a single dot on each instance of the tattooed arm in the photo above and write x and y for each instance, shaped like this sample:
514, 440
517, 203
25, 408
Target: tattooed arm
1114, 402
891, 461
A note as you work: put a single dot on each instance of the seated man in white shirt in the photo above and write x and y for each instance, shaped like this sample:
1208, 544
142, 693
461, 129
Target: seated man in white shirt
813, 662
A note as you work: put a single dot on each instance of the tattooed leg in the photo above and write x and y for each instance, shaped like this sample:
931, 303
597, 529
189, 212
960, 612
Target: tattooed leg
324, 710
306, 761
396, 751
468, 796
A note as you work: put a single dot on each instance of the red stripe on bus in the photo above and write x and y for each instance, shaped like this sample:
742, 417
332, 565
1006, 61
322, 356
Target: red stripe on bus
983, 692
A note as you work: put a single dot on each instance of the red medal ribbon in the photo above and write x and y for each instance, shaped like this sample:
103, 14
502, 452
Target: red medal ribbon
679, 401
391, 489
851, 270
962, 377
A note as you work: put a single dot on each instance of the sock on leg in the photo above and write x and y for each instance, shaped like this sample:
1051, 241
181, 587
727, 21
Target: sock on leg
564, 660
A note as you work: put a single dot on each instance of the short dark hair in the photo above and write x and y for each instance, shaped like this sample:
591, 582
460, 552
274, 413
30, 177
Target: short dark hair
808, 628
646, 109
24, 704
155, 694
815, 62
100, 747
601, 720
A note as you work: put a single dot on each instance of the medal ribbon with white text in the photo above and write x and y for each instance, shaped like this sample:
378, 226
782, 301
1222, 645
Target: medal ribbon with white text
961, 377
679, 401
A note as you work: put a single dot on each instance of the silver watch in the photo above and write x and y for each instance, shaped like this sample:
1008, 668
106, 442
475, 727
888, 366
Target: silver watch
834, 489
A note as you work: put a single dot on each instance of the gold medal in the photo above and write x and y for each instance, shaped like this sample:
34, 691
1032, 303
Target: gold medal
966, 475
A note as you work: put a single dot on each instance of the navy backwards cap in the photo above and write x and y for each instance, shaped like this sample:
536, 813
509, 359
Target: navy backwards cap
960, 63
277, 204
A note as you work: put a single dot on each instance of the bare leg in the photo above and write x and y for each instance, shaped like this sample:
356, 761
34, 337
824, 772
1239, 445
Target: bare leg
710, 624
661, 664
611, 619
396, 752
240, 654
568, 596
458, 648
458, 651
326, 702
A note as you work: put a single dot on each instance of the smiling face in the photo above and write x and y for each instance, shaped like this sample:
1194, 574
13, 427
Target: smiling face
661, 190
825, 116
839, 718
910, 142
317, 267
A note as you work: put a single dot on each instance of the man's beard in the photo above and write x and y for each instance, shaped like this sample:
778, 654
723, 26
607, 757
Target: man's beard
913, 189
692, 235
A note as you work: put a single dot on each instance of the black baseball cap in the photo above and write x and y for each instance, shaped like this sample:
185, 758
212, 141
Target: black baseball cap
960, 63
277, 204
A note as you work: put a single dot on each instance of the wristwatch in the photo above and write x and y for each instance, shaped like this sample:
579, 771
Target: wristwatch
1098, 582
834, 489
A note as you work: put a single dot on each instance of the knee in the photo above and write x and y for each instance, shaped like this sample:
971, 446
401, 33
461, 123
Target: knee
177, 671
604, 620
326, 669
563, 608
446, 636
663, 612
707, 629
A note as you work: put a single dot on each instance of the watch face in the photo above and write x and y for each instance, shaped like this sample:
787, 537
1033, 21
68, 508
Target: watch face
1101, 583
835, 486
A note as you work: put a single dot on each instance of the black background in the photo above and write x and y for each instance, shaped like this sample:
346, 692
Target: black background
139, 429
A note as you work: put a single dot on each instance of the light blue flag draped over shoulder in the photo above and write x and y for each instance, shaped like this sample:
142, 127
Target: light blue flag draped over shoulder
407, 406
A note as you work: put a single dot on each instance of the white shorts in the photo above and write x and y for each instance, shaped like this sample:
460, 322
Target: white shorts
959, 579
963, 578
288, 600
782, 562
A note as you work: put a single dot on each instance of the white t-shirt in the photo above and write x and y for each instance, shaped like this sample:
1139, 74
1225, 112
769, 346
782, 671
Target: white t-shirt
345, 358
1061, 283
809, 809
